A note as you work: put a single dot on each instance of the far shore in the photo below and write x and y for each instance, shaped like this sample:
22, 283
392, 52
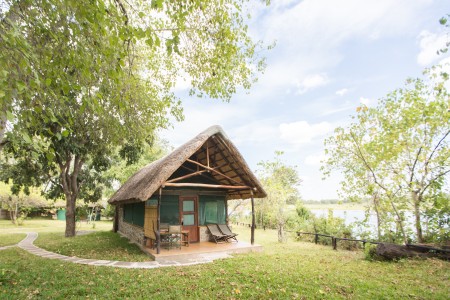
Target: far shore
343, 206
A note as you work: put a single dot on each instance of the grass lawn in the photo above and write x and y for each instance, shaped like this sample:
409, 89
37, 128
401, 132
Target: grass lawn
295, 270
46, 225
11, 239
98, 245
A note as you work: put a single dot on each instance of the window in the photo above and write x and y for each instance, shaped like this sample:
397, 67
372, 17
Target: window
170, 210
134, 213
212, 210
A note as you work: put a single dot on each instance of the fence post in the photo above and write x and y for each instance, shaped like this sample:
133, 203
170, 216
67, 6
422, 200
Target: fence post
364, 244
334, 242
316, 239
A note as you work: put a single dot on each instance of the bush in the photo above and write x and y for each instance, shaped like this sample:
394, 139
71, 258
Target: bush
109, 211
370, 252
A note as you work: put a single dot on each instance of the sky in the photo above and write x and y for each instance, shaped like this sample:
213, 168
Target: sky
330, 57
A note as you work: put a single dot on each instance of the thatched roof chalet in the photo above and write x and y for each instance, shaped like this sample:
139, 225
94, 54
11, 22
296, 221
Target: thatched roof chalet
208, 161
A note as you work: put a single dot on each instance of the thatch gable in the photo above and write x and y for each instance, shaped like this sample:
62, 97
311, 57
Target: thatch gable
211, 148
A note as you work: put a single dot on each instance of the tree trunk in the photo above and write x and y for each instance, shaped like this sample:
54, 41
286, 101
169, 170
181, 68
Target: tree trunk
70, 215
377, 212
2, 129
69, 182
13, 213
400, 223
281, 237
416, 201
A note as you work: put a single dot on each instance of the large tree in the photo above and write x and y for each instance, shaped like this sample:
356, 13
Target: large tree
80, 78
281, 183
398, 153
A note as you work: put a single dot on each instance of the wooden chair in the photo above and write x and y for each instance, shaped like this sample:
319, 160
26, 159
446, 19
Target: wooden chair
164, 238
225, 229
216, 234
174, 236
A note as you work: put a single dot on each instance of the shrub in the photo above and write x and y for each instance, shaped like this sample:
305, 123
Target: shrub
370, 252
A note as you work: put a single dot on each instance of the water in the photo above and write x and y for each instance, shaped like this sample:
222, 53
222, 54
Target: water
352, 216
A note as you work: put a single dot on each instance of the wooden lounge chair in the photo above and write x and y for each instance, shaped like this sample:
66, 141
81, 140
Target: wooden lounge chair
225, 229
216, 234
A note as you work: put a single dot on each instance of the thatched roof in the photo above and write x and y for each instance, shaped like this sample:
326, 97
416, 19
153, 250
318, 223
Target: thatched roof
225, 167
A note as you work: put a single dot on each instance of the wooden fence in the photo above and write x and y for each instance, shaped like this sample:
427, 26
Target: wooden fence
334, 240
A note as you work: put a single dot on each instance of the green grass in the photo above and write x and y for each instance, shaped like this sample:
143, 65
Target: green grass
294, 270
98, 245
11, 239
46, 225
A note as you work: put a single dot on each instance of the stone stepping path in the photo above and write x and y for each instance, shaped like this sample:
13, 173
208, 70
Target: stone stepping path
27, 244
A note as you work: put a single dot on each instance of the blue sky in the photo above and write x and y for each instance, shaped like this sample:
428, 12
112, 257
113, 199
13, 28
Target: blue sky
330, 56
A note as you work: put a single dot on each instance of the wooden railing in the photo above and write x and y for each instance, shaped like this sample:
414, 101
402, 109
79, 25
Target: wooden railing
334, 240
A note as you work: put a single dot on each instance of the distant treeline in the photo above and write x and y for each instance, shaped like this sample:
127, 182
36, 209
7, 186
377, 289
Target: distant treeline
327, 201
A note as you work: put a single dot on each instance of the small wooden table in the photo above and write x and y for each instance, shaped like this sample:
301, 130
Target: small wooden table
185, 237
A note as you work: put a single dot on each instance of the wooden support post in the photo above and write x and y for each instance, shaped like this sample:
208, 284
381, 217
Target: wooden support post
116, 219
207, 153
252, 239
316, 238
334, 242
158, 224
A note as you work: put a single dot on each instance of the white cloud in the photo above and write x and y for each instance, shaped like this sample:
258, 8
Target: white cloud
337, 110
310, 33
315, 159
260, 132
430, 43
302, 132
365, 101
311, 82
342, 92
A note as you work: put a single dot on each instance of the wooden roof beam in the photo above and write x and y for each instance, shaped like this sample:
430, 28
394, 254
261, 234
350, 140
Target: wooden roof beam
211, 186
187, 176
212, 170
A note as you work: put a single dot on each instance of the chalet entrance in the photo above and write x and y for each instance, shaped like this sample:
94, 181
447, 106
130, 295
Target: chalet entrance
189, 217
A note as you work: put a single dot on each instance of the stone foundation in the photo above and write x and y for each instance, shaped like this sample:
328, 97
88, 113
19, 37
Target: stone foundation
204, 234
132, 232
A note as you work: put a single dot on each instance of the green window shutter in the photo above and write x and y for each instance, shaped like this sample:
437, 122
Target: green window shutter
138, 214
170, 209
212, 209
134, 213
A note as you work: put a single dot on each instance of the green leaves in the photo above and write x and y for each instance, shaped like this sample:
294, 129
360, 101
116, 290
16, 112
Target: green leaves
81, 78
398, 151
26, 137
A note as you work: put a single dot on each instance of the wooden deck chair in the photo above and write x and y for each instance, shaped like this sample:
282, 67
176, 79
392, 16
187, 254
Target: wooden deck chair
216, 234
225, 229
175, 236
164, 238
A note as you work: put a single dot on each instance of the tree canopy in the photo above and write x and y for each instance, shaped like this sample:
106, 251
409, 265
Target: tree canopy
80, 78
398, 152
281, 183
